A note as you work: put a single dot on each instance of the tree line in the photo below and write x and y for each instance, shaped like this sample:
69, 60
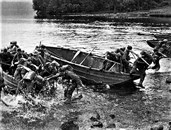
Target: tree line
56, 8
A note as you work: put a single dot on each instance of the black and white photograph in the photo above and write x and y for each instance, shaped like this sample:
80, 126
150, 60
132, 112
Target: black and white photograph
85, 65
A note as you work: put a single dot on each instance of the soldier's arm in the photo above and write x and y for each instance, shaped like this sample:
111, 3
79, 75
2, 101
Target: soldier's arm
75, 77
12, 62
162, 55
55, 76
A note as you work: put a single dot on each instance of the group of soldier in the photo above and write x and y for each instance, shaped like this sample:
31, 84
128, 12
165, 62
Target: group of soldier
142, 62
35, 70
36, 73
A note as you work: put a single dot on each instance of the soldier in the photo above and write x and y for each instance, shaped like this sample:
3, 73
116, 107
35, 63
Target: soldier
16, 59
156, 57
115, 56
6, 58
20, 70
13, 47
18, 56
126, 58
141, 65
37, 58
73, 80
2, 85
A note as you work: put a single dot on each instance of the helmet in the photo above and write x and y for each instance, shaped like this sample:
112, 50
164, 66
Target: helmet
55, 63
143, 53
163, 45
13, 42
122, 49
18, 50
5, 50
117, 50
36, 53
129, 47
21, 61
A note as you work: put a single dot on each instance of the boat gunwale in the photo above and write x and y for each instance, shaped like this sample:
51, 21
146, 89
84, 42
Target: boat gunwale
80, 65
111, 76
83, 66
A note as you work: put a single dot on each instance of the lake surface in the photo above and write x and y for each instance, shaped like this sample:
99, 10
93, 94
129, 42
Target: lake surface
138, 110
105, 35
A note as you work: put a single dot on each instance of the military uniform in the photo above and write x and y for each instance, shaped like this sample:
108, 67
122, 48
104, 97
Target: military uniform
156, 57
125, 59
140, 66
72, 80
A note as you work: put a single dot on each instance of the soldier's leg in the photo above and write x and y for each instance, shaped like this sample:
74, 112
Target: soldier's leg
71, 90
142, 77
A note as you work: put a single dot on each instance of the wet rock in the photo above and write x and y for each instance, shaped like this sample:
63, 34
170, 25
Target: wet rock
156, 121
111, 125
168, 80
111, 122
96, 117
97, 124
160, 127
93, 119
170, 125
112, 116
69, 126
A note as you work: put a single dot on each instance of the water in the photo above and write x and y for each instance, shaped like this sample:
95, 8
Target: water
138, 110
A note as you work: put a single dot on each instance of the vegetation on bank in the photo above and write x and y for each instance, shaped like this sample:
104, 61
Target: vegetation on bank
56, 8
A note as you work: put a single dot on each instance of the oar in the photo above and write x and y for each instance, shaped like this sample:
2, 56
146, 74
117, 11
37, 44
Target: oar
4, 103
164, 56
139, 33
26, 68
76, 54
140, 57
87, 55
1, 62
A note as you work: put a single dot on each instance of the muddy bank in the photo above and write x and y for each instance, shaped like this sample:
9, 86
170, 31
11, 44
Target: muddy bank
141, 109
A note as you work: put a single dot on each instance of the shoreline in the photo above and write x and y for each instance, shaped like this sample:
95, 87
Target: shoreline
160, 12
163, 12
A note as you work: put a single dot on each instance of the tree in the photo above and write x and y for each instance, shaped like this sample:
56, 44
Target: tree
53, 8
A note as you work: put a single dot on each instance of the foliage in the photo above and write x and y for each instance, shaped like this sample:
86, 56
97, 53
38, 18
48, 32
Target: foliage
54, 8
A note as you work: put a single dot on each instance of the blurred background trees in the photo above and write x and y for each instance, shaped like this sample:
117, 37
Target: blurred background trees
54, 8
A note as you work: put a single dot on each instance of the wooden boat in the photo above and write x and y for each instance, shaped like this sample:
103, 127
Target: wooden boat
163, 36
9, 81
88, 66
154, 43
160, 15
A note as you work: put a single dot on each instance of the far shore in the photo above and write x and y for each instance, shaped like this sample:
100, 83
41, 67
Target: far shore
159, 12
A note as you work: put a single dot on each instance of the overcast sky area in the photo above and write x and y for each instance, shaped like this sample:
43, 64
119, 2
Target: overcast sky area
16, 9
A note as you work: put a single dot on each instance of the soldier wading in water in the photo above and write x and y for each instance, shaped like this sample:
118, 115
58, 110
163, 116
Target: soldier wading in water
72, 80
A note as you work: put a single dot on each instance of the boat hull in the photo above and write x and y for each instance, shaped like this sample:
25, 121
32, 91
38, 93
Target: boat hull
90, 70
154, 43
163, 36
9, 81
